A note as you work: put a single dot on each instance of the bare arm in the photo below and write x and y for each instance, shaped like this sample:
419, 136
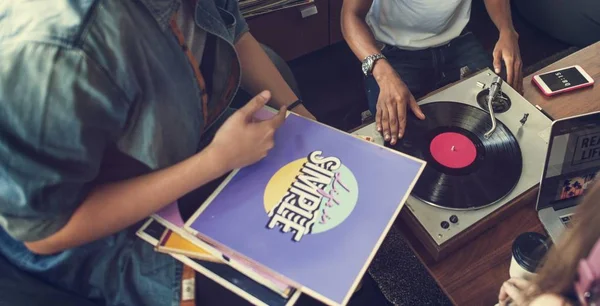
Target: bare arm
507, 47
355, 28
259, 73
109, 208
499, 11
113, 207
394, 95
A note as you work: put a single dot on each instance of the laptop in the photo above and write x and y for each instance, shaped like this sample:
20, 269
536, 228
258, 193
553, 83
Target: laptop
572, 165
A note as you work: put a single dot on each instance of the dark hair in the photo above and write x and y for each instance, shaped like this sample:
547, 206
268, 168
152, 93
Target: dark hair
559, 270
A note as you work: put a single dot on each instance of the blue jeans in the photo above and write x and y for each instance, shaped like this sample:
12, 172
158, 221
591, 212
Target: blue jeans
426, 70
118, 270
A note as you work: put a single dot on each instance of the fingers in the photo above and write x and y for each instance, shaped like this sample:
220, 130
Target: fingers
514, 293
396, 116
255, 104
519, 283
518, 76
416, 109
385, 123
502, 296
278, 119
269, 126
398, 125
510, 70
514, 69
513, 290
402, 116
497, 61
378, 118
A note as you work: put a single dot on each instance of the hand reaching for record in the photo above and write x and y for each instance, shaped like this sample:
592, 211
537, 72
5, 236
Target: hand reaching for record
507, 50
392, 103
242, 140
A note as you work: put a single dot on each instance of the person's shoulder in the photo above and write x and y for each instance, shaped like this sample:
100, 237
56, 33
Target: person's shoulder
51, 21
549, 300
69, 24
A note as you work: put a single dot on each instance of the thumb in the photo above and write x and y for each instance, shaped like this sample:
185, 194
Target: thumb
278, 119
497, 61
514, 293
414, 106
255, 104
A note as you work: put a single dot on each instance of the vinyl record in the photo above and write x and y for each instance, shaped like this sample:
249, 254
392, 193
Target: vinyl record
464, 169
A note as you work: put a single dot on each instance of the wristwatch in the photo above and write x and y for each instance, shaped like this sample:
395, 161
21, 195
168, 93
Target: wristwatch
369, 62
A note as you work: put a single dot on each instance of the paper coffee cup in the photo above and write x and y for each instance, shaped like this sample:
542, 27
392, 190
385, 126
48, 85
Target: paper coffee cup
528, 250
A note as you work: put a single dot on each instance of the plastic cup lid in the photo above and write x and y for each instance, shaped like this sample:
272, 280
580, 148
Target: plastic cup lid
529, 249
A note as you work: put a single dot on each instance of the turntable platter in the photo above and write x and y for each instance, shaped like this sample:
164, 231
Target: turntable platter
464, 169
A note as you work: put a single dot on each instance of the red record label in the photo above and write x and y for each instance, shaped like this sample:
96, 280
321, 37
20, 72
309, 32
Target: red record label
463, 165
453, 150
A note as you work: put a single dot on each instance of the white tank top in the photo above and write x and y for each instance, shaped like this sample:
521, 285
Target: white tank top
418, 24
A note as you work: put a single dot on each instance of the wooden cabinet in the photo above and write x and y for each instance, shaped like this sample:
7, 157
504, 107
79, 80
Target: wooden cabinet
297, 31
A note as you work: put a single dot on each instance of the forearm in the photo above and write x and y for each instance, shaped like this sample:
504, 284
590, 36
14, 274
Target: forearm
355, 30
361, 40
113, 207
499, 11
259, 73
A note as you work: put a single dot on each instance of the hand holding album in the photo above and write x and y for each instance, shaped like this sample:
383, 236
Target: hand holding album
244, 140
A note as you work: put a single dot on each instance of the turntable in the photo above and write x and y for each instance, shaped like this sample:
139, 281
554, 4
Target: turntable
476, 163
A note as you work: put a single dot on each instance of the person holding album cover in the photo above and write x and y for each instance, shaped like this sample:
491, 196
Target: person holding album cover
107, 114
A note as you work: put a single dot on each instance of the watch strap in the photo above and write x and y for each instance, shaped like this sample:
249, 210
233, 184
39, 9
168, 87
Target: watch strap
375, 57
370, 60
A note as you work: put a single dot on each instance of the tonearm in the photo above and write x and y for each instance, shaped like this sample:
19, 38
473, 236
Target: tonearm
494, 93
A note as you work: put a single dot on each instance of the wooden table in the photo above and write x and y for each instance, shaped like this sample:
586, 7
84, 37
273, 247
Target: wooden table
473, 275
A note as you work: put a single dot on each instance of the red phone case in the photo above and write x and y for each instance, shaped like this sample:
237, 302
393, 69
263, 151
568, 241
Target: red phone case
549, 94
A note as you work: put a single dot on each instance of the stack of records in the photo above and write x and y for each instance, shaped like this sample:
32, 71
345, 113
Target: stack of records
250, 8
306, 219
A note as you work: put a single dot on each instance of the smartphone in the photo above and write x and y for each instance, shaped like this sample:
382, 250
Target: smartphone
562, 80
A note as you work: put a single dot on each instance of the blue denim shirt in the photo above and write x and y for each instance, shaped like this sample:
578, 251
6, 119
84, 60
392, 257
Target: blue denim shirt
84, 80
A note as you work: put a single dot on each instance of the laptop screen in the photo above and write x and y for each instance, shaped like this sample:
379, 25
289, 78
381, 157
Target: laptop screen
572, 161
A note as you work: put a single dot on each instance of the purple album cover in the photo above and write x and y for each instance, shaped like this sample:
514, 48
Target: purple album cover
315, 209
171, 214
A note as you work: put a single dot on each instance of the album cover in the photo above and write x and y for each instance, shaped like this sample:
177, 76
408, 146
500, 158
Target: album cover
171, 218
173, 243
175, 215
151, 231
576, 186
222, 274
313, 212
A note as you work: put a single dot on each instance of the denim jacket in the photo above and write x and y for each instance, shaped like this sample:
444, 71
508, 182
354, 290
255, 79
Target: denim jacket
84, 79
78, 77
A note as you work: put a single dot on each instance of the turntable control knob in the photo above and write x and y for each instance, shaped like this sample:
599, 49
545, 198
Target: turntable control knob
454, 219
445, 224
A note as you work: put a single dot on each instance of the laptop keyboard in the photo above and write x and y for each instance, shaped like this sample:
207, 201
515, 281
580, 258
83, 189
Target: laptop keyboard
566, 220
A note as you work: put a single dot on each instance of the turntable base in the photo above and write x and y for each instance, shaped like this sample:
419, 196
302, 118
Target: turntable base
446, 227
